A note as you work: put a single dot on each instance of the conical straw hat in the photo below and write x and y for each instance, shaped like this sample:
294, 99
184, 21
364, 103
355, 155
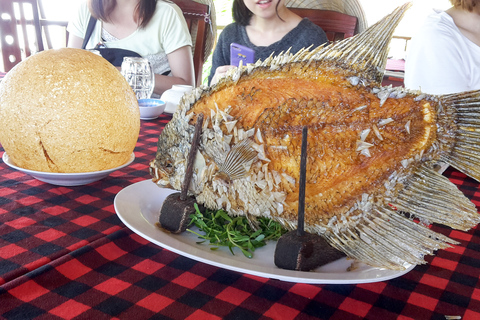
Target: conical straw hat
350, 7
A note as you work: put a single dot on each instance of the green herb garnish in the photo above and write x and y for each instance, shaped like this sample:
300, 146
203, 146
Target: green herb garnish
223, 230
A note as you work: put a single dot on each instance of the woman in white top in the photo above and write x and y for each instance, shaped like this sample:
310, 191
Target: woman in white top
156, 30
444, 57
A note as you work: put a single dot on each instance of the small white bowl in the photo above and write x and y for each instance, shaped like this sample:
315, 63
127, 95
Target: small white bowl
150, 108
173, 96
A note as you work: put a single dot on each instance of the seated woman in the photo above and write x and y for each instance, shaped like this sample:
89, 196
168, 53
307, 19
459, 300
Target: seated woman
156, 30
266, 27
444, 56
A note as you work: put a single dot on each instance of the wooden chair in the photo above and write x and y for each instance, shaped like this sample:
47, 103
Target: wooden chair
201, 25
22, 31
52, 28
336, 25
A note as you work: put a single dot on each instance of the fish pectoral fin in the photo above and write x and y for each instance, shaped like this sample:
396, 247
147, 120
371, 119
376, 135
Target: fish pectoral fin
238, 160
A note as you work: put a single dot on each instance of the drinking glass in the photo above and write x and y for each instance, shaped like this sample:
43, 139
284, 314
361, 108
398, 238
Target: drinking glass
139, 74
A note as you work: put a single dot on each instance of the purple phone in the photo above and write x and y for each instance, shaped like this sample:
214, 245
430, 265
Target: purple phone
241, 53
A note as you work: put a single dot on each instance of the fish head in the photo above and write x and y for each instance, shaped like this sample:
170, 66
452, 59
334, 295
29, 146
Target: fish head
169, 165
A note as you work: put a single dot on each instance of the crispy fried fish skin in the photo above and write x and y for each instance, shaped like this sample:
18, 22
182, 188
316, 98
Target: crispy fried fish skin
336, 113
371, 188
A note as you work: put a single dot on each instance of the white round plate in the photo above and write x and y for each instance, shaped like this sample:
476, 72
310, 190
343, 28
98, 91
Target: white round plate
138, 206
67, 179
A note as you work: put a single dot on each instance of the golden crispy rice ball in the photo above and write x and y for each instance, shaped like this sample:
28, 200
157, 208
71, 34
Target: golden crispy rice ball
67, 110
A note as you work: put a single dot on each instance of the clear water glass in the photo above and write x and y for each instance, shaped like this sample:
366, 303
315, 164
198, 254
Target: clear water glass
139, 74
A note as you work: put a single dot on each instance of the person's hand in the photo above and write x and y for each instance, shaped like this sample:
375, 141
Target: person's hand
220, 72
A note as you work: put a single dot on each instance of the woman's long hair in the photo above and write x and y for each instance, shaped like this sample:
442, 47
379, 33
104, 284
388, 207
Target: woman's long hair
468, 5
101, 9
241, 14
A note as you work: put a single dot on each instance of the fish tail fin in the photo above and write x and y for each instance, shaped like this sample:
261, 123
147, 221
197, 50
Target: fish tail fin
464, 110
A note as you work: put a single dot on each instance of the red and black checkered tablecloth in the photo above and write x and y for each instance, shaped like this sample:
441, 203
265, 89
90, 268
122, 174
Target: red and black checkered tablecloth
64, 254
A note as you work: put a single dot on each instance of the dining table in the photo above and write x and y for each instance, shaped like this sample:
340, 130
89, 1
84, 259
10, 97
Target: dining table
66, 254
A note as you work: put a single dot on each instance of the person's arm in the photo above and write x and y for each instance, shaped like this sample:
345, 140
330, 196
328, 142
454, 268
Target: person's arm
181, 65
77, 25
75, 42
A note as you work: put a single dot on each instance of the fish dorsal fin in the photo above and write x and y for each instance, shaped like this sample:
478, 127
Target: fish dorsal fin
365, 54
240, 156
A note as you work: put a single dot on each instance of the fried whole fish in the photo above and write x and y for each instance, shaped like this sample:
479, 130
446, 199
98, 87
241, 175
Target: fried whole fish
371, 188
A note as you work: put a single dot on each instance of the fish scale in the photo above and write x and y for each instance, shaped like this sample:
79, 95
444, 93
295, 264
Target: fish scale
371, 188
